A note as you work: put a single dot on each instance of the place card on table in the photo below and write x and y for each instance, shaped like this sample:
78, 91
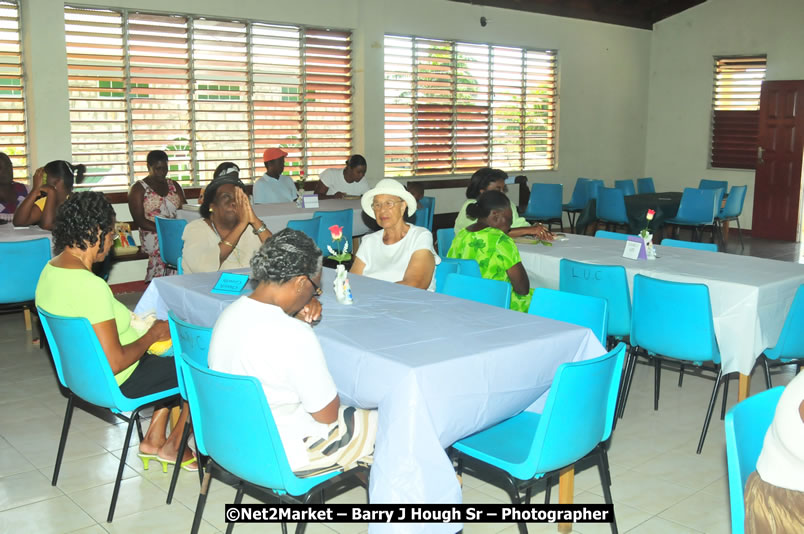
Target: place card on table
310, 201
635, 249
230, 284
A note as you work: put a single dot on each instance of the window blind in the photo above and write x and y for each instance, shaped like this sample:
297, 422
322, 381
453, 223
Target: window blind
12, 91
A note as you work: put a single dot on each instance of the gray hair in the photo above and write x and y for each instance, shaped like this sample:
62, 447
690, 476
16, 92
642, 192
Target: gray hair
284, 256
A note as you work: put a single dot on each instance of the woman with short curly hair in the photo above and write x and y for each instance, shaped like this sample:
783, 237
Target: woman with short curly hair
83, 234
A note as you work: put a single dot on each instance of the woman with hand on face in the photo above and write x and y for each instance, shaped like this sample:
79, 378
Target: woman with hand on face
338, 183
229, 232
52, 184
150, 197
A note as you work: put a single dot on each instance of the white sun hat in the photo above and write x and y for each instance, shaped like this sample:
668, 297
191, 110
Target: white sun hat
387, 186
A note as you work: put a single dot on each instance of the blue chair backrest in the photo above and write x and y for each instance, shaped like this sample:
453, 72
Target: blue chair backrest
190, 340
81, 364
579, 411
592, 188
21, 263
608, 282
605, 234
676, 243
626, 186
179, 268
343, 218
493, 292
698, 205
746, 426
580, 194
545, 201
791, 340
169, 232
713, 184
445, 236
573, 308
454, 265
734, 204
311, 227
611, 204
645, 185
424, 215
692, 334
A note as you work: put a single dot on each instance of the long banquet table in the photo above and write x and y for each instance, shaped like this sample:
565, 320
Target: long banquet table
8, 232
750, 296
438, 368
276, 216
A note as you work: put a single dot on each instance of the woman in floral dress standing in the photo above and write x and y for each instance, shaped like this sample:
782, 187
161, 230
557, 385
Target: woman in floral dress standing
153, 196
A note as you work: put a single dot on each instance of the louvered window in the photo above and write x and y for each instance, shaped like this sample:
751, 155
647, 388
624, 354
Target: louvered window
12, 91
205, 91
452, 107
735, 116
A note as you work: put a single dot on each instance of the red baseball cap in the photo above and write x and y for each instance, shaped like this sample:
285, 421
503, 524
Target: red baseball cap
271, 154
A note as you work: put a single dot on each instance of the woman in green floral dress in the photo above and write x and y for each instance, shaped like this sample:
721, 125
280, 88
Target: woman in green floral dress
486, 242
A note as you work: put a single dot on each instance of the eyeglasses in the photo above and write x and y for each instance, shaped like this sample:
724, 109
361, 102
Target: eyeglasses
318, 291
388, 204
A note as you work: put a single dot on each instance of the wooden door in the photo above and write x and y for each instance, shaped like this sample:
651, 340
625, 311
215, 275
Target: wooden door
777, 182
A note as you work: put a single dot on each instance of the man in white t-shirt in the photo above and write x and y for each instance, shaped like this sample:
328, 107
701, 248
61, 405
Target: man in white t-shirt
349, 181
273, 187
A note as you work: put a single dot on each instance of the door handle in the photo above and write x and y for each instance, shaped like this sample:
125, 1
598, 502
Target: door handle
760, 154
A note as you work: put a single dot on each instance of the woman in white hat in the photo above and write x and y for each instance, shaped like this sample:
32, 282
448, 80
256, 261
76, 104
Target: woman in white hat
400, 252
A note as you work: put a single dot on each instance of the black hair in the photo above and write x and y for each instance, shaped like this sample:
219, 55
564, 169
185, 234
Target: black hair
486, 203
356, 160
68, 173
6, 167
80, 218
212, 189
284, 256
155, 156
481, 180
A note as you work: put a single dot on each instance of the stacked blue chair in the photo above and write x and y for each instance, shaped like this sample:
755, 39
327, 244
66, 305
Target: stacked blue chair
626, 186
444, 236
84, 370
713, 184
746, 426
453, 265
691, 339
344, 218
424, 214
311, 228
605, 234
580, 197
593, 187
545, 204
247, 447
574, 308
577, 419
169, 232
675, 243
611, 206
789, 348
645, 186
697, 209
192, 341
732, 211
21, 263
493, 292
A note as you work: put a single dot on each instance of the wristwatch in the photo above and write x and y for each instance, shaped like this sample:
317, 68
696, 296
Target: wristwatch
260, 230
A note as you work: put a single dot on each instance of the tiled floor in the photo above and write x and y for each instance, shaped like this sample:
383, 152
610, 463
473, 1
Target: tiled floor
659, 483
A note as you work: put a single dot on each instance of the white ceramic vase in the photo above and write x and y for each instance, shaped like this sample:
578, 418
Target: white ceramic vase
650, 250
343, 291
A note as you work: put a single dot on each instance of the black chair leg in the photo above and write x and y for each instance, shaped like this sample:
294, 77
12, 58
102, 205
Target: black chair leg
139, 429
123, 455
238, 499
629, 375
709, 410
766, 367
657, 377
548, 485
185, 435
605, 481
740, 234
65, 429
202, 501
725, 397
680, 375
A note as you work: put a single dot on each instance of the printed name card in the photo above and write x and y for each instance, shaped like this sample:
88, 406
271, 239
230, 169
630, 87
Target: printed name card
310, 201
230, 284
635, 249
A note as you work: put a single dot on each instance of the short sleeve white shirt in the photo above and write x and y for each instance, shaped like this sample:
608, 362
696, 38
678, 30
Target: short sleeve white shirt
268, 190
256, 339
336, 183
781, 461
389, 262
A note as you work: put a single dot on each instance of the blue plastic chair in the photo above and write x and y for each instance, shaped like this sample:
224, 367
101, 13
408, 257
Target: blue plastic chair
193, 341
690, 339
580, 197
578, 417
746, 426
626, 186
311, 227
444, 236
343, 218
645, 185
545, 204
608, 282
493, 292
789, 348
84, 370
424, 215
247, 446
713, 184
732, 211
179, 268
697, 209
593, 187
676, 243
169, 232
611, 235
574, 308
454, 265
21, 263
611, 206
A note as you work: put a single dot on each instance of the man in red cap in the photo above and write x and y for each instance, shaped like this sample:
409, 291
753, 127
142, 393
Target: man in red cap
273, 187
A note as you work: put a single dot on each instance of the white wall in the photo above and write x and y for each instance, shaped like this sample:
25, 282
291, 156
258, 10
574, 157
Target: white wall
682, 78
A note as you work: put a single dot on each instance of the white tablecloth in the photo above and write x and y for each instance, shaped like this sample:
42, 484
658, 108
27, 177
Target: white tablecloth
750, 296
438, 368
276, 216
9, 233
